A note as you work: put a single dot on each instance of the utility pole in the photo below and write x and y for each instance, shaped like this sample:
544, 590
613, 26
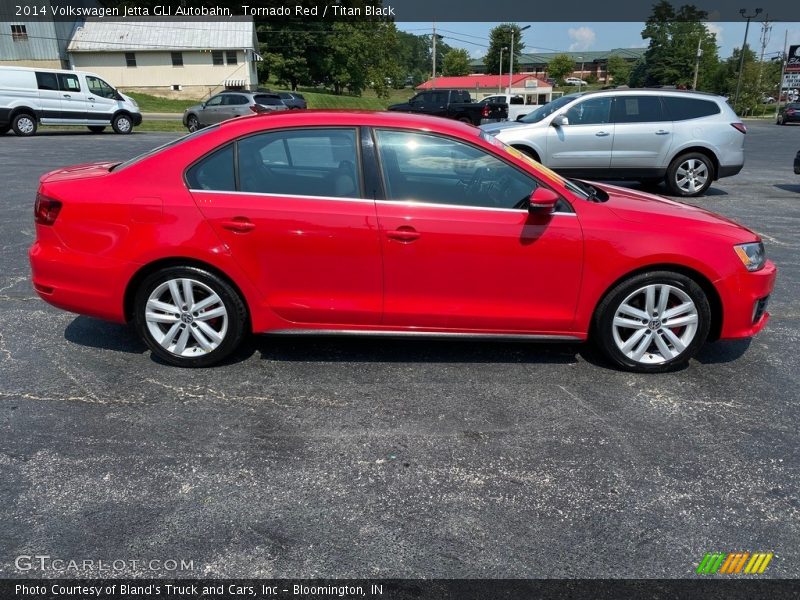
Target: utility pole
784, 58
766, 29
500, 76
433, 76
697, 61
744, 14
511, 62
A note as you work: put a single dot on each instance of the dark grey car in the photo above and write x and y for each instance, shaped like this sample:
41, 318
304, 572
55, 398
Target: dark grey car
293, 100
230, 104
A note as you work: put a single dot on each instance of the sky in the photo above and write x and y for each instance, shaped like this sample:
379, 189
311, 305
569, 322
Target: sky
554, 37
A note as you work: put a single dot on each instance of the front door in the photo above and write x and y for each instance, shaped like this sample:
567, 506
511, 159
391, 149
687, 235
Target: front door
297, 223
585, 143
101, 101
212, 111
461, 251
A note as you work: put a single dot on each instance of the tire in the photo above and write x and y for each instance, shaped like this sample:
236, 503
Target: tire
24, 124
171, 324
192, 123
5, 129
657, 348
528, 152
97, 128
690, 174
783, 120
122, 124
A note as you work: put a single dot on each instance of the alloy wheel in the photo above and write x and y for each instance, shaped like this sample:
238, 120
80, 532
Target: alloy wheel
692, 175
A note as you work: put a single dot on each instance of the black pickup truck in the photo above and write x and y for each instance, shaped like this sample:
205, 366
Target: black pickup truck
453, 104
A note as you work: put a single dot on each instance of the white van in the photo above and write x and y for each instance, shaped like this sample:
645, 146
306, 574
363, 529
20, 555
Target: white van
29, 97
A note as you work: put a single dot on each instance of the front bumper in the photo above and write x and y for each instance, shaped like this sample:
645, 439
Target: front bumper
137, 119
742, 296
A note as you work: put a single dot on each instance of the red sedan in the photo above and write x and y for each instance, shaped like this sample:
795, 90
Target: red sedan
386, 223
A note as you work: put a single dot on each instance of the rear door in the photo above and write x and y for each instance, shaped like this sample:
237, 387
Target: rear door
296, 220
234, 105
642, 133
584, 145
73, 99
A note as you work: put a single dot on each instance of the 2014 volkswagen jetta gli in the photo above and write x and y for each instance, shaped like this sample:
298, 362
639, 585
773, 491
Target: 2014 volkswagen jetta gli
386, 223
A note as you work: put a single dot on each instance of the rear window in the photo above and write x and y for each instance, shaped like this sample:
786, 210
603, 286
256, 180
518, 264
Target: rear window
265, 100
683, 109
180, 140
214, 172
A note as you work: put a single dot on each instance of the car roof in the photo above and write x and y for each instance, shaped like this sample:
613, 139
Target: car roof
345, 118
655, 92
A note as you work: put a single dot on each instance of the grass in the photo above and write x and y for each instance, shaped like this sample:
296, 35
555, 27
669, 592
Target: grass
148, 103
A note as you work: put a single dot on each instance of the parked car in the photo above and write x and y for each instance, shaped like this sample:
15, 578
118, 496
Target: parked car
30, 97
229, 104
385, 223
452, 104
767, 100
687, 139
797, 163
514, 105
789, 113
574, 81
293, 100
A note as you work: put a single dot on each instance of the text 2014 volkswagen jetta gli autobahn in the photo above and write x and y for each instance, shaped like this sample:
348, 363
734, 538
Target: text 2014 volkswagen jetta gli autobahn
386, 223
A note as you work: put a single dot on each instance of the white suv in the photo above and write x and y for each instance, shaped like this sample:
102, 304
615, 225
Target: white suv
687, 139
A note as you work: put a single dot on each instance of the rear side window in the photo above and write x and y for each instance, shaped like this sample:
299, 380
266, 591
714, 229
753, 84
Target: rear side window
47, 81
235, 99
214, 172
683, 109
638, 109
68, 83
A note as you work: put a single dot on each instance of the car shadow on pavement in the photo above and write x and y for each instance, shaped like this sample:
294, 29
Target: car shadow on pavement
723, 352
788, 187
104, 335
393, 350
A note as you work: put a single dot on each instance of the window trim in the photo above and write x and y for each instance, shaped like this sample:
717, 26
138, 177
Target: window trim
383, 198
359, 164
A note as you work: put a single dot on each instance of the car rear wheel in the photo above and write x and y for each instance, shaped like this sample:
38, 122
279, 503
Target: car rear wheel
192, 124
122, 124
690, 174
97, 128
24, 124
653, 322
189, 317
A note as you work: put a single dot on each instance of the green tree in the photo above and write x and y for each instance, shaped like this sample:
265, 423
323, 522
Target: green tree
758, 79
618, 69
560, 66
500, 37
456, 62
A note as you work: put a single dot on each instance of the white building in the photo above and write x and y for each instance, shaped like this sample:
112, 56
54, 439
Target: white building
191, 59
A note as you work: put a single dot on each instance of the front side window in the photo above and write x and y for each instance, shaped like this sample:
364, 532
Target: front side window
68, 83
638, 109
214, 172
310, 162
130, 59
419, 167
215, 101
593, 111
98, 87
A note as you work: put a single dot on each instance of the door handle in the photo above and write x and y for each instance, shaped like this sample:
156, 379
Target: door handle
67, 96
239, 225
602, 134
90, 98
662, 132
403, 234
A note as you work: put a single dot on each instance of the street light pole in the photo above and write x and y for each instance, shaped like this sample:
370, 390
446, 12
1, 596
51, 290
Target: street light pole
744, 14
500, 76
511, 62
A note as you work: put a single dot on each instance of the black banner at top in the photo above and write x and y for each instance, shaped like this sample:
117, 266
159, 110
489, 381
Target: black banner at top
398, 10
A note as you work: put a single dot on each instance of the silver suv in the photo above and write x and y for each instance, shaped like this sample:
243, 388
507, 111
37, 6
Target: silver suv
687, 139
229, 104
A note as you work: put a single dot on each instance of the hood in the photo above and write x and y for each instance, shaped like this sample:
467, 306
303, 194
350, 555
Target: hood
493, 128
95, 169
640, 207
129, 99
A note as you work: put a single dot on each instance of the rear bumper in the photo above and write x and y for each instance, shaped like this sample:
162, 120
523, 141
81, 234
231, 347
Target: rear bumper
797, 163
75, 282
742, 295
729, 170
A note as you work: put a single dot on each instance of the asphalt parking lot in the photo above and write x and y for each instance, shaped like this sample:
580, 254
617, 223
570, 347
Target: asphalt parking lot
386, 458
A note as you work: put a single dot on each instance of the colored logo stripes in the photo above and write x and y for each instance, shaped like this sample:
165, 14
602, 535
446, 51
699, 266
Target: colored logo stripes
734, 563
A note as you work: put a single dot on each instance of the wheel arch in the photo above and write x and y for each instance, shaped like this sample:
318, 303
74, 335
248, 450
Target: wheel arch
176, 261
122, 111
704, 150
714, 300
23, 109
528, 149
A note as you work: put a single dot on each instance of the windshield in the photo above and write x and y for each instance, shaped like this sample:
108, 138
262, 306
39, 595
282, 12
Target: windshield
579, 191
548, 109
149, 153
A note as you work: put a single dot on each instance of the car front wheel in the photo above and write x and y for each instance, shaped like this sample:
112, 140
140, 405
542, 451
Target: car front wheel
189, 317
690, 174
192, 124
653, 322
122, 124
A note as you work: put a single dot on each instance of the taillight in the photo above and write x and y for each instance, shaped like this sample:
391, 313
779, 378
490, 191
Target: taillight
789, 111
45, 211
739, 127
485, 111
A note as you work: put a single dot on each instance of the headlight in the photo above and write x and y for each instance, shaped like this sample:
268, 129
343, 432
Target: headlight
752, 255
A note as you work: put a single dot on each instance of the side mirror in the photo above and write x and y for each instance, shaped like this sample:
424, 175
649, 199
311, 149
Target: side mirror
559, 121
202, 105
543, 201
